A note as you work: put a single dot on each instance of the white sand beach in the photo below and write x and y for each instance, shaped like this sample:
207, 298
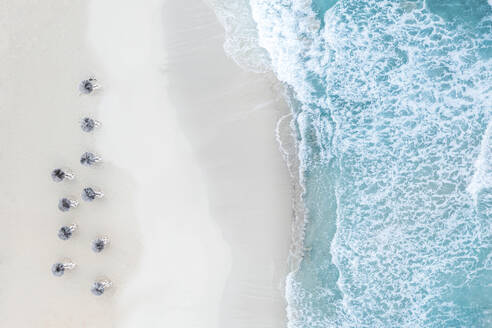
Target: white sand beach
197, 197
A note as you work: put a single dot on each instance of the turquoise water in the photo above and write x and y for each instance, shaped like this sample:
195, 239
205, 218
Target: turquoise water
393, 107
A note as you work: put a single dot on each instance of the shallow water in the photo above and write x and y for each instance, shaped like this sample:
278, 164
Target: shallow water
393, 122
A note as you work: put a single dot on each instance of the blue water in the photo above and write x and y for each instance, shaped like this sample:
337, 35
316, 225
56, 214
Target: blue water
392, 112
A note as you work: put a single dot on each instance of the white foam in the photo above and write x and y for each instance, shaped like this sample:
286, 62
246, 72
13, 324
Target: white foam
482, 178
241, 39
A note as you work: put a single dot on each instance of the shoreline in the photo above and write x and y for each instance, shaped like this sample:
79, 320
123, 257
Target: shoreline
289, 148
242, 46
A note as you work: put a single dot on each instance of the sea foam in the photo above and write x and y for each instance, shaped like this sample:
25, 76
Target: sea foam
482, 179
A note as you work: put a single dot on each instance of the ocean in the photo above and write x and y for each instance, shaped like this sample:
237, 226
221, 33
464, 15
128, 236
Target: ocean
391, 106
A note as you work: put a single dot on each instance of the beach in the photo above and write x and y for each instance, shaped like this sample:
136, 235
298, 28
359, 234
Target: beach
197, 196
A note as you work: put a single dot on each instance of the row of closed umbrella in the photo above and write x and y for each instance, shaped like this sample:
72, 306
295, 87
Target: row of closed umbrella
88, 194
